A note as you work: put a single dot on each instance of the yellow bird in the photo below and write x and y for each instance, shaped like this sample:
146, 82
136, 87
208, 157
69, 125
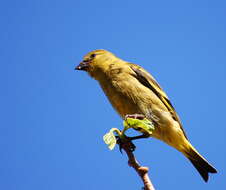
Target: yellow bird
132, 90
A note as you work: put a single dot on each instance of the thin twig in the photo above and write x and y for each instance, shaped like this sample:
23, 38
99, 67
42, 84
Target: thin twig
141, 170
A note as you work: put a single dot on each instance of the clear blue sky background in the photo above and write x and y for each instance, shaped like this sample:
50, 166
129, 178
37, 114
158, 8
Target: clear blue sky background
53, 118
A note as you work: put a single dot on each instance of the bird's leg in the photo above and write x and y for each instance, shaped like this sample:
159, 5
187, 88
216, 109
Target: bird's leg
135, 116
140, 117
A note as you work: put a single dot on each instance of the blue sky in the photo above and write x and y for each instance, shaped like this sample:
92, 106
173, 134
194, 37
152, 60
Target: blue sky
53, 118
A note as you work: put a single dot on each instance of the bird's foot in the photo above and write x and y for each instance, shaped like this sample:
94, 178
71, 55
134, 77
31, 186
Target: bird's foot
144, 136
125, 143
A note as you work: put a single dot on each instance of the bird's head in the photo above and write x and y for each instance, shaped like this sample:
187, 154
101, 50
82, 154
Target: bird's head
96, 61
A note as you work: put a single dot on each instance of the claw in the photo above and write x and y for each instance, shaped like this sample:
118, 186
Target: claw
139, 137
125, 142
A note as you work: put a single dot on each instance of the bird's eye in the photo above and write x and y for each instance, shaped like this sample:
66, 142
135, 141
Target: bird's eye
93, 55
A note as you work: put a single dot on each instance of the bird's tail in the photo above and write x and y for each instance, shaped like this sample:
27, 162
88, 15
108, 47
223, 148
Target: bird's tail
200, 163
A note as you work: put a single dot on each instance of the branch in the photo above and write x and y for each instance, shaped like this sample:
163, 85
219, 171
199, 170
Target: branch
142, 171
141, 124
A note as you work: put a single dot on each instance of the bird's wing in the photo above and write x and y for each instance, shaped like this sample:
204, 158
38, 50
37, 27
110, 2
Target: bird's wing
147, 80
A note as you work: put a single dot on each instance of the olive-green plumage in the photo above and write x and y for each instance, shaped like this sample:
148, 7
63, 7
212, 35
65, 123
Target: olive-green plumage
132, 90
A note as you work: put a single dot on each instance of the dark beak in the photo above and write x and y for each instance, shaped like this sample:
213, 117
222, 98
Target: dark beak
83, 66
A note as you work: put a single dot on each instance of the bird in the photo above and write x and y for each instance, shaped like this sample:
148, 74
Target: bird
133, 90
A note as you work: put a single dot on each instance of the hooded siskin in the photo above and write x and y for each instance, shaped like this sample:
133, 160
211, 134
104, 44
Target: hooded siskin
132, 90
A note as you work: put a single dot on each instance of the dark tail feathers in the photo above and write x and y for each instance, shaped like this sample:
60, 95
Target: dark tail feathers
203, 167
